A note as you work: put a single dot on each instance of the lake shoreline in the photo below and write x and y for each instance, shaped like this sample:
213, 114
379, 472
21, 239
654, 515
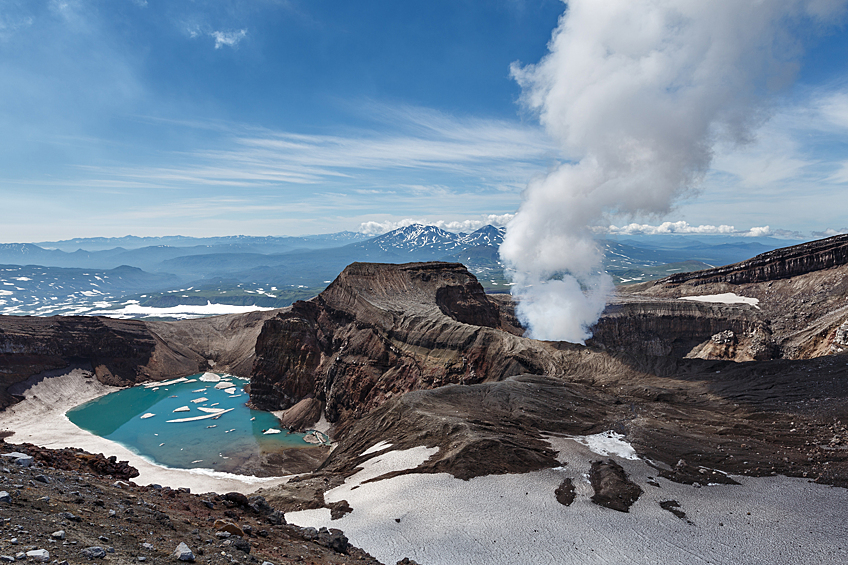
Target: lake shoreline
40, 419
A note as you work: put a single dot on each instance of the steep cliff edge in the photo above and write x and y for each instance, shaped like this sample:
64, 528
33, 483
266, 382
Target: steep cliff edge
778, 264
124, 352
800, 297
116, 350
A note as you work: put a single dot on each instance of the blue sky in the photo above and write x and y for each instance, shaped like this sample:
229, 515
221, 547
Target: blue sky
266, 117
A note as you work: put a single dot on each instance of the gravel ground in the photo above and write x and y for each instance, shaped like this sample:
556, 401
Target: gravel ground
80, 517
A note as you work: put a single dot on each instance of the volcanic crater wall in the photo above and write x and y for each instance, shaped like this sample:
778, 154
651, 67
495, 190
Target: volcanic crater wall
778, 264
382, 330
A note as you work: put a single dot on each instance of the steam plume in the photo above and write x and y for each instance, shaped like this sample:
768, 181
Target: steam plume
637, 92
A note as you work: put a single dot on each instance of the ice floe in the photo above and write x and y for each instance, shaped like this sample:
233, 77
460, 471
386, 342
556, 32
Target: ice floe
182, 409
231, 390
199, 400
210, 378
207, 416
223, 384
271, 431
166, 383
147, 415
210, 410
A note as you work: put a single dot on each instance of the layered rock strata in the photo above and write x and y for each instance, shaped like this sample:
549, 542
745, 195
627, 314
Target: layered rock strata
123, 352
801, 295
382, 330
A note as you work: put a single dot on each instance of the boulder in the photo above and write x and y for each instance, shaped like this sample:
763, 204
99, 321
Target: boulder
39, 555
229, 527
94, 552
183, 553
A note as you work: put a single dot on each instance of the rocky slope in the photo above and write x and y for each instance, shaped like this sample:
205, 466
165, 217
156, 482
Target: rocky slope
75, 512
417, 355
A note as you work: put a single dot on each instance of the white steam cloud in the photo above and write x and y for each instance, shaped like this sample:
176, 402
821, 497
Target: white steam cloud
637, 93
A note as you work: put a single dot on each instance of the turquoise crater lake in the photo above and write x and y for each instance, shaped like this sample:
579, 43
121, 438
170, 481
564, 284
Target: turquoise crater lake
215, 429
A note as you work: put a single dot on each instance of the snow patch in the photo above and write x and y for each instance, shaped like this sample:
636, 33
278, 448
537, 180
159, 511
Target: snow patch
608, 443
379, 446
725, 298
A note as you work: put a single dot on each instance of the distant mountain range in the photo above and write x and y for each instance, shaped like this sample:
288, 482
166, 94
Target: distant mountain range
74, 276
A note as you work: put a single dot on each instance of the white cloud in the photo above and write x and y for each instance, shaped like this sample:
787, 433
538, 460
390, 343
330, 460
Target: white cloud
683, 228
228, 38
830, 232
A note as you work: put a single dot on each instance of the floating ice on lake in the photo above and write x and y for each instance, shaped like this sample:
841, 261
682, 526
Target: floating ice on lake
199, 400
154, 386
148, 415
230, 390
197, 461
199, 390
216, 415
271, 431
209, 378
161, 444
182, 409
216, 404
212, 426
223, 385
210, 410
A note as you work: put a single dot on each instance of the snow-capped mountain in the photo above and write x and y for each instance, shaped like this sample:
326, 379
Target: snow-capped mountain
417, 237
487, 235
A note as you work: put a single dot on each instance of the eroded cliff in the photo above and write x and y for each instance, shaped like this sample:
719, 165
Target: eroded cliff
382, 330
123, 352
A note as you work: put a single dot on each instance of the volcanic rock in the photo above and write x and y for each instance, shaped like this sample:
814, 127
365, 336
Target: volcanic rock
122, 352
183, 553
381, 330
801, 294
612, 487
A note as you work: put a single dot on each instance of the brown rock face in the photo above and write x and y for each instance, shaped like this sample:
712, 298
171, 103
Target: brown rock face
801, 290
380, 331
115, 349
662, 328
123, 352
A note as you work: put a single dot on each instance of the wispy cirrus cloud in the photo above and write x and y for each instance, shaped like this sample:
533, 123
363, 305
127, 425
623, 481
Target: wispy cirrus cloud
228, 38
425, 152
